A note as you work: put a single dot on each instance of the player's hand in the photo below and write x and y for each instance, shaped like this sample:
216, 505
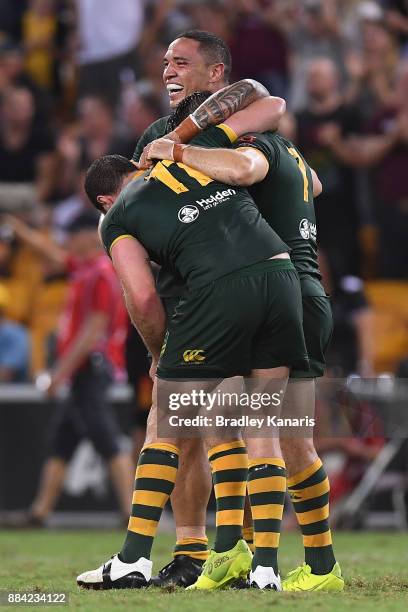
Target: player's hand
162, 148
144, 162
174, 136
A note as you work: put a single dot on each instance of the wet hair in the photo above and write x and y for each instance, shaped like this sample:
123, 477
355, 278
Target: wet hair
105, 175
214, 49
187, 106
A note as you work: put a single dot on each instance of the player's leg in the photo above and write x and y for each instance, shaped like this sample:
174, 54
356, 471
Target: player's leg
230, 558
189, 502
278, 346
154, 481
266, 485
211, 331
191, 548
307, 480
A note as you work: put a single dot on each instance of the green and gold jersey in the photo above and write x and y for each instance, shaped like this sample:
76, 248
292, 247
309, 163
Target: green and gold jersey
198, 228
285, 200
158, 129
168, 285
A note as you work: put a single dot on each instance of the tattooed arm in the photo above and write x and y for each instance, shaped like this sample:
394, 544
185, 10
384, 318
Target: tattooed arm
245, 106
219, 107
224, 103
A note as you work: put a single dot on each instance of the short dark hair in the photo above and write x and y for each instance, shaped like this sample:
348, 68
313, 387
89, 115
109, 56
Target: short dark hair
105, 175
187, 106
215, 50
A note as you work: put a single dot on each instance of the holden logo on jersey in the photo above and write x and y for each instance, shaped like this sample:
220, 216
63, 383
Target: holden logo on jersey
188, 214
307, 230
193, 356
216, 198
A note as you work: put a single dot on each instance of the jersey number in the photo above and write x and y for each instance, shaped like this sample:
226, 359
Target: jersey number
302, 170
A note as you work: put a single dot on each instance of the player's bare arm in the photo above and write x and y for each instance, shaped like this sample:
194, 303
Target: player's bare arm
317, 186
244, 106
224, 103
132, 265
228, 101
244, 166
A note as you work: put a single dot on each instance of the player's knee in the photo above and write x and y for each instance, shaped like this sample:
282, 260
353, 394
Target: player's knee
298, 453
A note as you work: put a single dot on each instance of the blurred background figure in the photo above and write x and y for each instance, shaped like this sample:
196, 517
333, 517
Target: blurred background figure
90, 353
14, 345
26, 146
107, 42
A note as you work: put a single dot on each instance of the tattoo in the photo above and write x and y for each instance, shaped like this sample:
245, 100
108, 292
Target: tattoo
224, 103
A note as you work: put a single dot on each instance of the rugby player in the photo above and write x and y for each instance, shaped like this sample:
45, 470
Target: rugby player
195, 61
283, 187
225, 254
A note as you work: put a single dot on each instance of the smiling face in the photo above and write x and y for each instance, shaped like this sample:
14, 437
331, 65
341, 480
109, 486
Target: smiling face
186, 71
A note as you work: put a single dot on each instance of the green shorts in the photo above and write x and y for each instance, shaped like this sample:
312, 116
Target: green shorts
318, 330
251, 318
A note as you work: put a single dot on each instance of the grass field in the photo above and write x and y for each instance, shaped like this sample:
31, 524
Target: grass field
375, 567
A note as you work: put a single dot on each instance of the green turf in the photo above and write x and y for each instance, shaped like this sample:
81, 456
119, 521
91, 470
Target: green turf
374, 565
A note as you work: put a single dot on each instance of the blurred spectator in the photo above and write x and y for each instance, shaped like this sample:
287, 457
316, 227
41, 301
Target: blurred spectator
39, 37
152, 83
108, 37
10, 24
336, 207
372, 71
13, 74
165, 19
315, 33
20, 273
26, 147
259, 47
91, 338
66, 209
397, 19
98, 133
390, 188
139, 110
211, 15
351, 14
14, 345
351, 349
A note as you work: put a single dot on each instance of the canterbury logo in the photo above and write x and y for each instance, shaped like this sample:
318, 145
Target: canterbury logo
294, 496
193, 355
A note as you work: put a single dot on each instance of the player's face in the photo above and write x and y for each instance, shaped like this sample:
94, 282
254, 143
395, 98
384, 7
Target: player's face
185, 70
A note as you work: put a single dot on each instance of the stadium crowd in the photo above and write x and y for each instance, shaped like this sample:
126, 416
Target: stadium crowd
79, 79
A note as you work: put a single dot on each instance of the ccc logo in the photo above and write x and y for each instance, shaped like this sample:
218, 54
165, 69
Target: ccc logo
193, 355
